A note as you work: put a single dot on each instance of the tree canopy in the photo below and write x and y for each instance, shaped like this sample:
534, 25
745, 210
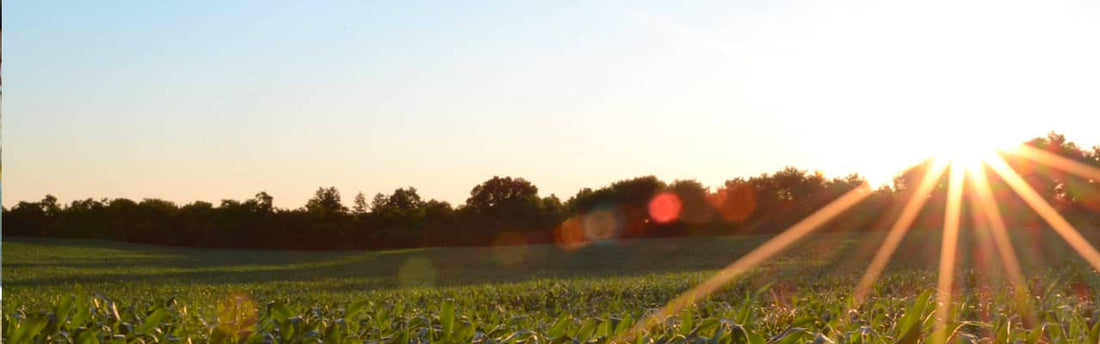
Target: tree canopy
509, 210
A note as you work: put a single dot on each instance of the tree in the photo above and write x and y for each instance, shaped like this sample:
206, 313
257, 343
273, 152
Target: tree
500, 192
360, 206
397, 218
264, 202
735, 201
151, 216
793, 184
50, 206
501, 205
693, 199
629, 193
1055, 185
404, 199
437, 226
25, 218
325, 202
628, 199
511, 206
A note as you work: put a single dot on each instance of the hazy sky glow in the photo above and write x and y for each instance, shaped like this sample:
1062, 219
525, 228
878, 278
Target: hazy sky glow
203, 101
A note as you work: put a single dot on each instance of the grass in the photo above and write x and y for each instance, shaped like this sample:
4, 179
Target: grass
94, 291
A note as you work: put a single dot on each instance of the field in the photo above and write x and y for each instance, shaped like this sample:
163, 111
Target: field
94, 291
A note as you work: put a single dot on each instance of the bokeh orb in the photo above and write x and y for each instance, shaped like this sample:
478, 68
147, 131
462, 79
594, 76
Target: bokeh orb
601, 225
416, 272
665, 207
510, 249
570, 234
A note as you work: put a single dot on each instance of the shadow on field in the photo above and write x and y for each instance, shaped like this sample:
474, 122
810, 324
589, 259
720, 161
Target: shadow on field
33, 262
101, 253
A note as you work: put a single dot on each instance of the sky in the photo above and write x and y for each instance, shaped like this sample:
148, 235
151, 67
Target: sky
211, 100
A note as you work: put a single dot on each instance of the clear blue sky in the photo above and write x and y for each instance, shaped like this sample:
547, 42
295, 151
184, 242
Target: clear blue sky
205, 100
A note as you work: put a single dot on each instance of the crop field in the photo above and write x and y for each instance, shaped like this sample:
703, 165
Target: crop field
81, 291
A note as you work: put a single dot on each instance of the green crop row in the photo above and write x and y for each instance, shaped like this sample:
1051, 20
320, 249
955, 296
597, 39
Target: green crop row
760, 316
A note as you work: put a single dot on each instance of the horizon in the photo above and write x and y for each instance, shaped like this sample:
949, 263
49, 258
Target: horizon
347, 198
372, 97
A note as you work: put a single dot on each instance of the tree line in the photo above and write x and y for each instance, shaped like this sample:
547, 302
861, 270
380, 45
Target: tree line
507, 210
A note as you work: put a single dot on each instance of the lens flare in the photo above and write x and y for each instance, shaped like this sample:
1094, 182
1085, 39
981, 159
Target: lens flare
416, 272
665, 207
510, 249
601, 225
734, 202
900, 227
750, 260
236, 316
963, 160
1047, 212
948, 252
1056, 161
570, 234
987, 204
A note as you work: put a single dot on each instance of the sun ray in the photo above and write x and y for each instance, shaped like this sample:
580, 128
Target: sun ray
765, 251
898, 230
987, 204
1056, 161
1046, 211
987, 267
948, 252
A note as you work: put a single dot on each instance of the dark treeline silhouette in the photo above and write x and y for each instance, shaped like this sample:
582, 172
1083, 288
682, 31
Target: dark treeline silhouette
506, 210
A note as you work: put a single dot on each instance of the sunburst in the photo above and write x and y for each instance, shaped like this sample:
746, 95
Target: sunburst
966, 163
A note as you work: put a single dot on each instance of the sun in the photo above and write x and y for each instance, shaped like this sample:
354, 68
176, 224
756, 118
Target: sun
967, 155
966, 148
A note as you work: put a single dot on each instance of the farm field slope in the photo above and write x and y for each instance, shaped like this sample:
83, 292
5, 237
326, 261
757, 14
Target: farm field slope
69, 290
